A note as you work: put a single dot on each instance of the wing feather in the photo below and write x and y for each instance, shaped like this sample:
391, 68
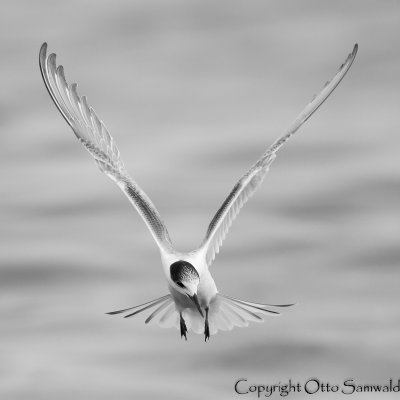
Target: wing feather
253, 178
94, 136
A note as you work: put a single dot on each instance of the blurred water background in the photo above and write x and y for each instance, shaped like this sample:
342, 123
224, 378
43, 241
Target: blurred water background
194, 92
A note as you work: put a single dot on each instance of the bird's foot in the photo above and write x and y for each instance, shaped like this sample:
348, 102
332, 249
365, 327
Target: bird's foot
206, 332
206, 328
183, 327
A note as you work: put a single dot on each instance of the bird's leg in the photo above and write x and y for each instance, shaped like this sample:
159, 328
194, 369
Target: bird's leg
183, 327
206, 327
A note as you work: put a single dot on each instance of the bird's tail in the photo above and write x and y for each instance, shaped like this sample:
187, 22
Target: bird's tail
231, 312
227, 312
164, 308
224, 313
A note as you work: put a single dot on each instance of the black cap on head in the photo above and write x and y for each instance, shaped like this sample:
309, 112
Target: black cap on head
183, 271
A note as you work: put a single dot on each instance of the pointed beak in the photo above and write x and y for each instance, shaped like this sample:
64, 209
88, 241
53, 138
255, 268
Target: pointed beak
195, 300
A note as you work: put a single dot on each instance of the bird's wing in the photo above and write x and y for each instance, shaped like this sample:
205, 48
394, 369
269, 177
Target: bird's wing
93, 134
252, 179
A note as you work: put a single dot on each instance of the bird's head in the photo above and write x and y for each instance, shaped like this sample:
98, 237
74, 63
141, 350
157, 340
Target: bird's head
186, 279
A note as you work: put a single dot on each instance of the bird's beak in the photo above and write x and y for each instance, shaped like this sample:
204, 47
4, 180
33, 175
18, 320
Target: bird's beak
195, 300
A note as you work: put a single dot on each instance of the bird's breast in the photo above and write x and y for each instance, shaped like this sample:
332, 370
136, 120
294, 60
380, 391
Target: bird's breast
207, 289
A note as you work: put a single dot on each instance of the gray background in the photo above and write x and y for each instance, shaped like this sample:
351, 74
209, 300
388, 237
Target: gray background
194, 92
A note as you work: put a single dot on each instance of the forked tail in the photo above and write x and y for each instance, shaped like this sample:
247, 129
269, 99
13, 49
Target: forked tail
164, 311
225, 313
235, 312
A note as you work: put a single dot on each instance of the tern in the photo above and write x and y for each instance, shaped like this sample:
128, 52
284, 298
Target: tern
193, 301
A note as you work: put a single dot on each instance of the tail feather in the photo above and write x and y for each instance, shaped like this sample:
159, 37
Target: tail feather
224, 313
247, 314
224, 323
252, 304
234, 316
250, 307
170, 317
194, 321
145, 308
242, 312
158, 310
142, 307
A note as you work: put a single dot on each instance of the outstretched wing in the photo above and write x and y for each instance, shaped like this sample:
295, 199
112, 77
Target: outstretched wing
93, 134
248, 184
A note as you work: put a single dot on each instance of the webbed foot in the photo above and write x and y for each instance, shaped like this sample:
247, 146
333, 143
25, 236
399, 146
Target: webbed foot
183, 327
206, 328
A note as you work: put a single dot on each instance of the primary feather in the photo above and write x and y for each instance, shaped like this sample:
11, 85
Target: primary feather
94, 136
252, 179
223, 312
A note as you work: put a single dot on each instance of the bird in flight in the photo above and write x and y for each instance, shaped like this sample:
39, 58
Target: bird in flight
193, 301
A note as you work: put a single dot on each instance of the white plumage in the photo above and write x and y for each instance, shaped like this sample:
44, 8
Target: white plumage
192, 290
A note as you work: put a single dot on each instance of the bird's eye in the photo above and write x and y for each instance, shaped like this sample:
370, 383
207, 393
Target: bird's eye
180, 284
